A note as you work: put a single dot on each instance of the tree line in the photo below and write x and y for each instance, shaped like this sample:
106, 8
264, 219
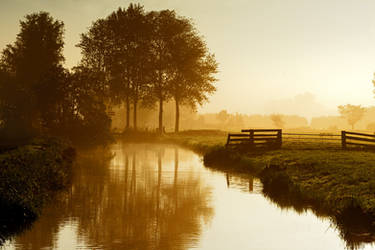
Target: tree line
131, 57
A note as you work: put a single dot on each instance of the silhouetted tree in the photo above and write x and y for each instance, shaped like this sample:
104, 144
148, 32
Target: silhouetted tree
352, 113
86, 117
38, 94
132, 33
192, 69
119, 45
96, 46
32, 75
150, 57
182, 66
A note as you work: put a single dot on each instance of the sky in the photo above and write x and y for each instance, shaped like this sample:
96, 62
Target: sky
275, 56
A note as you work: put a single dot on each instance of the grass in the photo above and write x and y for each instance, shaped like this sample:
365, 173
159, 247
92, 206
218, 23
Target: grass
30, 175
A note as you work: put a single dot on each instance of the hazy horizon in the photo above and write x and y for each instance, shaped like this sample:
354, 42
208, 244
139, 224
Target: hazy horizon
270, 53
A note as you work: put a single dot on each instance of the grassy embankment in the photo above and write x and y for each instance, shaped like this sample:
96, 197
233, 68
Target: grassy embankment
332, 180
30, 175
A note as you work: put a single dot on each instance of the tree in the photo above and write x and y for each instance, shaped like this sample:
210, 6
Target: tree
223, 116
120, 44
192, 70
166, 28
131, 31
150, 57
85, 112
352, 113
277, 120
96, 46
32, 75
182, 65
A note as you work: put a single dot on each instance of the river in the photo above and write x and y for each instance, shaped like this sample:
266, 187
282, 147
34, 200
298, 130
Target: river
151, 196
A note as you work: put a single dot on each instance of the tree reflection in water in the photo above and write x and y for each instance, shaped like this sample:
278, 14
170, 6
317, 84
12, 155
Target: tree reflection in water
136, 199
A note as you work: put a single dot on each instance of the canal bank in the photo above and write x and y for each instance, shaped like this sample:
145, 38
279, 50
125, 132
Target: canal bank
335, 182
30, 176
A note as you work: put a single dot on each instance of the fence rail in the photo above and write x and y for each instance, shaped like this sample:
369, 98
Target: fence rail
360, 139
274, 138
269, 138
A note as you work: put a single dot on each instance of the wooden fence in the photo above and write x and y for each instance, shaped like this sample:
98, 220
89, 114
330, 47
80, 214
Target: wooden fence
357, 139
274, 138
269, 138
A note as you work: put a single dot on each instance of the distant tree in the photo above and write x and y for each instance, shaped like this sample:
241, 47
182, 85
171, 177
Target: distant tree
223, 116
352, 113
277, 120
32, 75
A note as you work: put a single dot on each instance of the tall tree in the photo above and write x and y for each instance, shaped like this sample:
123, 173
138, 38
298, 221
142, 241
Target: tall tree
167, 29
120, 45
132, 35
32, 73
183, 67
150, 57
192, 69
352, 113
96, 46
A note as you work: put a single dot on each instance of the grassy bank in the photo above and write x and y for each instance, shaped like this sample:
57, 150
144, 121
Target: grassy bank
30, 175
332, 180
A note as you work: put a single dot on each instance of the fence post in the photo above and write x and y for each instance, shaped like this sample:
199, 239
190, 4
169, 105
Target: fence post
228, 139
251, 137
279, 137
343, 139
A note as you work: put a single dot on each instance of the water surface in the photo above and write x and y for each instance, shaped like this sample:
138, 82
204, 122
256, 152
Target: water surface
149, 196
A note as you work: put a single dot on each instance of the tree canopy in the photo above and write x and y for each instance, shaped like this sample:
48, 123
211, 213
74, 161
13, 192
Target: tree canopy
38, 95
150, 57
352, 113
32, 74
131, 57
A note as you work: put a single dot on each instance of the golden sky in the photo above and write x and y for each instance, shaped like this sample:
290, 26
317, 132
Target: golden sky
272, 53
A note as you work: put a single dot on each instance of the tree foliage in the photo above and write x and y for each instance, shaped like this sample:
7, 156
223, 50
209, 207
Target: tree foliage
150, 57
131, 57
32, 75
38, 95
352, 113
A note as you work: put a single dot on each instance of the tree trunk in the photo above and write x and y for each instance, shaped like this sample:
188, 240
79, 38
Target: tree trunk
161, 130
177, 123
135, 114
127, 113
